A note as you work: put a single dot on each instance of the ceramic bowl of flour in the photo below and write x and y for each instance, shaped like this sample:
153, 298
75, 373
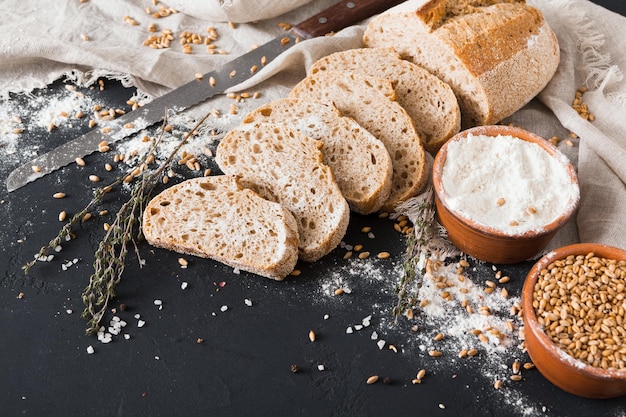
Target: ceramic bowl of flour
502, 192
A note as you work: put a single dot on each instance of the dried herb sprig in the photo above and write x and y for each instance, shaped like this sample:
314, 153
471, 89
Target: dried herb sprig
110, 257
421, 211
66, 231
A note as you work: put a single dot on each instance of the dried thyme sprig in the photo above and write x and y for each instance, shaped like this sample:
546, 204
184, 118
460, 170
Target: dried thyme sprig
110, 257
66, 231
421, 211
111, 254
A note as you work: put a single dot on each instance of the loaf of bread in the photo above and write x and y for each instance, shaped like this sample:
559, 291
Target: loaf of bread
430, 102
371, 102
285, 166
360, 162
496, 55
214, 217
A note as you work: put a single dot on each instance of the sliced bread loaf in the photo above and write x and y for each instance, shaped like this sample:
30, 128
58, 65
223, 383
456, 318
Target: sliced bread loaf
285, 166
371, 102
495, 54
430, 102
214, 217
359, 161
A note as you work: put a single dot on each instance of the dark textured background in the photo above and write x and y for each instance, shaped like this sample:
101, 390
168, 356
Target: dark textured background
243, 366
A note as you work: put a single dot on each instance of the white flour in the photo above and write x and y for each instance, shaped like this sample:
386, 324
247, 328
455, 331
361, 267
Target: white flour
21, 119
500, 330
505, 183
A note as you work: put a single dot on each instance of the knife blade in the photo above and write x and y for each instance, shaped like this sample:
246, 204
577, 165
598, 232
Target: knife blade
336, 17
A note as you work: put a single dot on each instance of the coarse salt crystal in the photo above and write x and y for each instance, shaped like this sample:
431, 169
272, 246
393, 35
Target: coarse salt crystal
158, 302
381, 344
90, 350
183, 286
248, 302
374, 336
223, 308
321, 367
141, 323
349, 330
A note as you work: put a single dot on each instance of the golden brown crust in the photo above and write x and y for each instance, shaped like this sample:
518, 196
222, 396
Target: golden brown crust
436, 12
491, 35
496, 58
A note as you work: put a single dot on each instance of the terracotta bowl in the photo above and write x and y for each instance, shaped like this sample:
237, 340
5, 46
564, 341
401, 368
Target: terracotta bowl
569, 374
488, 243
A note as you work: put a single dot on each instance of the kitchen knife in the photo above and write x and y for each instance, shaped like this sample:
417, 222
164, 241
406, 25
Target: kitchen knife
338, 16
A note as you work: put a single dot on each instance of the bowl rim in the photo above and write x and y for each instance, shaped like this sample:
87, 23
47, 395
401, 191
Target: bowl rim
530, 317
495, 131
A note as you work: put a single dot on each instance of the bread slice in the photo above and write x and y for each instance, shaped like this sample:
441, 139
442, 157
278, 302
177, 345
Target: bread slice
359, 161
430, 102
285, 166
371, 102
496, 55
214, 217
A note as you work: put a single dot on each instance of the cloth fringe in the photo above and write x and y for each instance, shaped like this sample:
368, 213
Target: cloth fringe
590, 43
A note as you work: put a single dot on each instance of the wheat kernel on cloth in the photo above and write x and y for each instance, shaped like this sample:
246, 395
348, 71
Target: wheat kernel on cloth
480, 169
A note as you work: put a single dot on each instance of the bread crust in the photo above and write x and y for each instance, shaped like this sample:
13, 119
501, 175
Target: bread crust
496, 55
371, 101
430, 102
359, 161
206, 217
435, 13
285, 166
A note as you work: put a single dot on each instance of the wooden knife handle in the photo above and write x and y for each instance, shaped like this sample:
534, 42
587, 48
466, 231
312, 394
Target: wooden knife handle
341, 15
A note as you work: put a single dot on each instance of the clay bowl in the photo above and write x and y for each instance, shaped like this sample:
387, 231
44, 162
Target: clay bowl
488, 243
567, 373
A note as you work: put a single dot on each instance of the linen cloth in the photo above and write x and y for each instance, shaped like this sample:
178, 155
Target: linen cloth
86, 40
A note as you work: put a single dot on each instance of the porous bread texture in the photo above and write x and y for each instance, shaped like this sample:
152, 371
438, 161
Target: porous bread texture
430, 102
371, 102
360, 163
285, 166
214, 217
496, 57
